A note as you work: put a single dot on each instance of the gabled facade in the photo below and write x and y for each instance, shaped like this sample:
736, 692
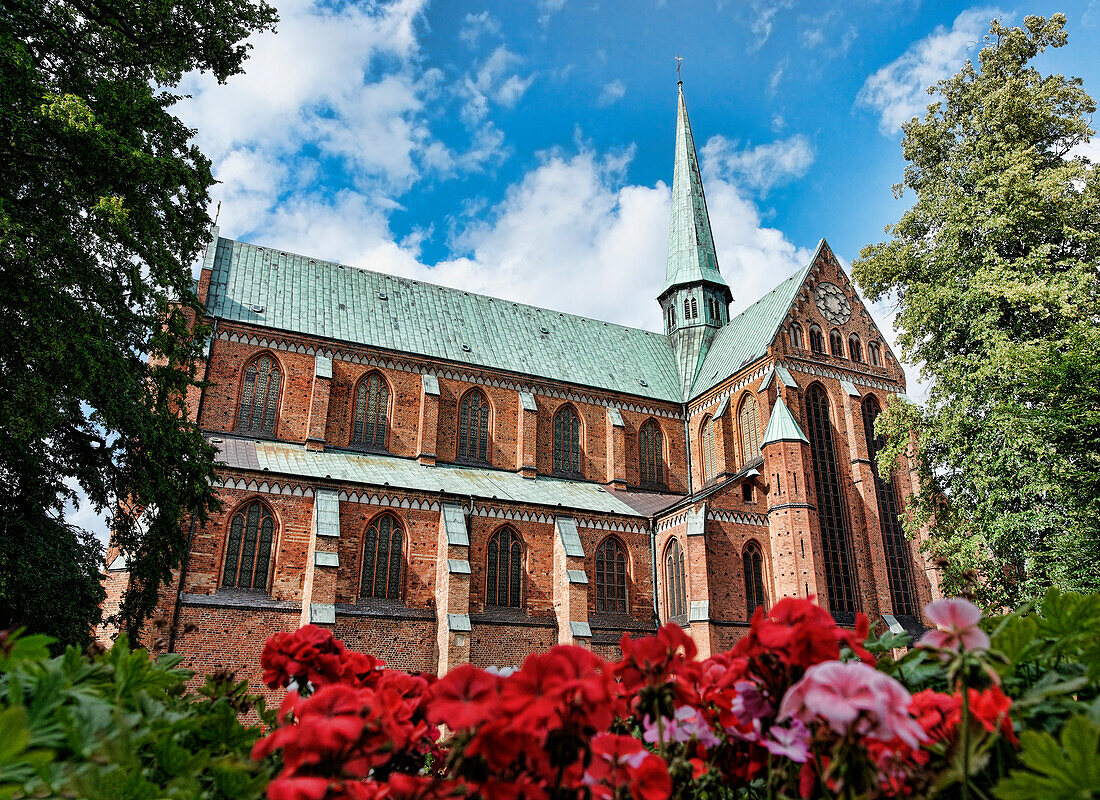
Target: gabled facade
443, 477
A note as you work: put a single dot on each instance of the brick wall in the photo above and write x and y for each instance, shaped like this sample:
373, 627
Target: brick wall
229, 358
508, 645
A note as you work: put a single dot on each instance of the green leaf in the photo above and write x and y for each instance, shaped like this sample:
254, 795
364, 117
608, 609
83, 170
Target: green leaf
1069, 770
1016, 637
14, 735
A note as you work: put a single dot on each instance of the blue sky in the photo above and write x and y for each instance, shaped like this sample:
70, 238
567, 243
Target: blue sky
524, 149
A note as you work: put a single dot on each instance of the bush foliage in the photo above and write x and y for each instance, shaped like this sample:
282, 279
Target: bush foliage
120, 726
996, 708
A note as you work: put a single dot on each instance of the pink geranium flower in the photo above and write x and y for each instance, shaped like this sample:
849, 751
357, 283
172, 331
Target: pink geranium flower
792, 741
689, 723
853, 698
956, 622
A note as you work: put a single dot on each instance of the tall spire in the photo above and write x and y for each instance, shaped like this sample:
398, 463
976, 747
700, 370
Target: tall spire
691, 256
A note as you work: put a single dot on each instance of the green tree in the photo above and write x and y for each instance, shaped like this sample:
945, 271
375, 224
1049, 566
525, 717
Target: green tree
102, 212
995, 272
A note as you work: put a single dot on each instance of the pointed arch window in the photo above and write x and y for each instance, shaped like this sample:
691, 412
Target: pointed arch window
382, 558
855, 348
710, 461
473, 427
503, 569
796, 337
895, 545
753, 558
372, 402
611, 577
248, 547
687, 309
836, 343
694, 309
651, 454
567, 442
875, 354
260, 397
817, 339
749, 420
671, 317
836, 537
675, 595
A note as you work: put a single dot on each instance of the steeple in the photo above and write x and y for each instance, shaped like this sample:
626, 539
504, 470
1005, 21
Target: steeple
691, 256
695, 298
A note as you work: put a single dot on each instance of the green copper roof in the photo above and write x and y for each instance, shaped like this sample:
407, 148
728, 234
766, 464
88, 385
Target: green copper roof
389, 472
267, 287
746, 337
782, 427
691, 256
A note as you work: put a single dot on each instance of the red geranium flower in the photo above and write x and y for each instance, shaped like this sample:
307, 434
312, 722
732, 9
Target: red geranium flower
465, 697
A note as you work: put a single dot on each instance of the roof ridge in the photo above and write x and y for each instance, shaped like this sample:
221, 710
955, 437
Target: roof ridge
401, 278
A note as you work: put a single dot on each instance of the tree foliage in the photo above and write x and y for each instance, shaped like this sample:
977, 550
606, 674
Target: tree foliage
102, 212
995, 272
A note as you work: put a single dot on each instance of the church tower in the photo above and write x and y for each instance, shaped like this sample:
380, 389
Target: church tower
695, 298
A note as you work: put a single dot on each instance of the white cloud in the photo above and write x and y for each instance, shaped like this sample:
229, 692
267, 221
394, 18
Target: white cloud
847, 39
762, 166
573, 234
476, 25
341, 84
612, 92
1089, 150
897, 91
493, 81
313, 91
81, 513
812, 37
763, 20
548, 8
777, 74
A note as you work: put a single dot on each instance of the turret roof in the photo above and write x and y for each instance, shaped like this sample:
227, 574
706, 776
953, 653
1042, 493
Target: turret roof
782, 427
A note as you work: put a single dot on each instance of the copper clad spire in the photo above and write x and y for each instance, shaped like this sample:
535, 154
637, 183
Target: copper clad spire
691, 255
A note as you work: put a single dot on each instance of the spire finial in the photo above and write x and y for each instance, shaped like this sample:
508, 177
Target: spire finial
679, 63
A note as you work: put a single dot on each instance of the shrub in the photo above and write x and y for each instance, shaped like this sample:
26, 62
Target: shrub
119, 725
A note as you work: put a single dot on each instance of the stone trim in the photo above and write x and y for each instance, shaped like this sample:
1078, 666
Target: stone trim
679, 518
459, 622
701, 405
732, 516
577, 576
699, 611
580, 630
849, 375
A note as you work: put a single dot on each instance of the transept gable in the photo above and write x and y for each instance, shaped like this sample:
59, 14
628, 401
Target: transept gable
827, 321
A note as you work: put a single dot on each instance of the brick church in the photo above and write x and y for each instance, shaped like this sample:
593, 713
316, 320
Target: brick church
442, 477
